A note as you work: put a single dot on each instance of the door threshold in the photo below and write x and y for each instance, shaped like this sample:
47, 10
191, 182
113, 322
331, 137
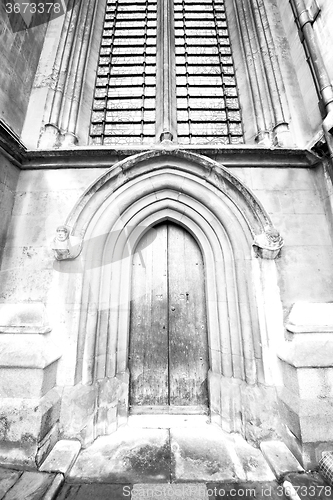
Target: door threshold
163, 421
168, 410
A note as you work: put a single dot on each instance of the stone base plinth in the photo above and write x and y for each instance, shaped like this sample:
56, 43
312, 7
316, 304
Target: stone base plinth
251, 410
24, 425
89, 411
30, 402
306, 399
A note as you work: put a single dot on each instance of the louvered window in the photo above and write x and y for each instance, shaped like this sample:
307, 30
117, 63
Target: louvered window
165, 72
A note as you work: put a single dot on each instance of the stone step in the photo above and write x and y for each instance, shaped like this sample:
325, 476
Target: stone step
166, 421
62, 456
280, 458
139, 455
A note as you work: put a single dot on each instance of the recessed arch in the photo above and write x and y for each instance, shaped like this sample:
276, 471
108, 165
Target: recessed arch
219, 212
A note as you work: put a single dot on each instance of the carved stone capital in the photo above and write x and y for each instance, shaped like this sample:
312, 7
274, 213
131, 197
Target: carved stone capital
268, 244
63, 246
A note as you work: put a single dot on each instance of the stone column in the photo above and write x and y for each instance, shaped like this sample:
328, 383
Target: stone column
272, 70
63, 101
76, 77
166, 106
265, 77
51, 134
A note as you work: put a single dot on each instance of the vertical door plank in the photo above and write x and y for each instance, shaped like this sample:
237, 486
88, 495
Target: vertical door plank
188, 346
148, 352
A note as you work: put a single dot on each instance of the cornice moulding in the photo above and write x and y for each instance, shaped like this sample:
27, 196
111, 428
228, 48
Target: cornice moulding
11, 145
103, 157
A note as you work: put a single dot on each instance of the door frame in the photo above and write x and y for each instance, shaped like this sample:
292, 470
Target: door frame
211, 240
172, 408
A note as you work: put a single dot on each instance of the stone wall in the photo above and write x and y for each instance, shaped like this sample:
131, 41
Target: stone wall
9, 175
20, 53
299, 66
43, 201
295, 202
290, 195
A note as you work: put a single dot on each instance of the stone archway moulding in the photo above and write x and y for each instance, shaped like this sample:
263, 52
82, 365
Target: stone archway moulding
223, 216
214, 174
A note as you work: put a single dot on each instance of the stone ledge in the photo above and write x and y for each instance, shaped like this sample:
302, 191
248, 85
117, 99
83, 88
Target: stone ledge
24, 318
229, 156
311, 339
27, 351
311, 318
11, 144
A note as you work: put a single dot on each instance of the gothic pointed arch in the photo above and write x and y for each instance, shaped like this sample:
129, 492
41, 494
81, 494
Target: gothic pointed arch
223, 216
182, 163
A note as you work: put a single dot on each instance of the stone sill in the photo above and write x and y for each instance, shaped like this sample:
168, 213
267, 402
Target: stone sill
26, 317
24, 330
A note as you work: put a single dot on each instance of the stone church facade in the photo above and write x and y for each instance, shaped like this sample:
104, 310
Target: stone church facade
166, 230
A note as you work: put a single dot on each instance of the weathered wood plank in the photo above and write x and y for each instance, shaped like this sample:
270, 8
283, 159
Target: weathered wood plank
149, 337
187, 320
168, 336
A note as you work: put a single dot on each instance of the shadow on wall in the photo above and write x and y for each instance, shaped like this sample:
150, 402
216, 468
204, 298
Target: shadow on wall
65, 247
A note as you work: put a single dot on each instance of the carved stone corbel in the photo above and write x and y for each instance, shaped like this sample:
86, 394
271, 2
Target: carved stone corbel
268, 244
63, 246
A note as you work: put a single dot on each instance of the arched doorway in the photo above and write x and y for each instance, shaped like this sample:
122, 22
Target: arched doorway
113, 218
168, 352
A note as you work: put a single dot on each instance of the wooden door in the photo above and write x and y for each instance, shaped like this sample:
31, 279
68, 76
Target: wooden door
168, 355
